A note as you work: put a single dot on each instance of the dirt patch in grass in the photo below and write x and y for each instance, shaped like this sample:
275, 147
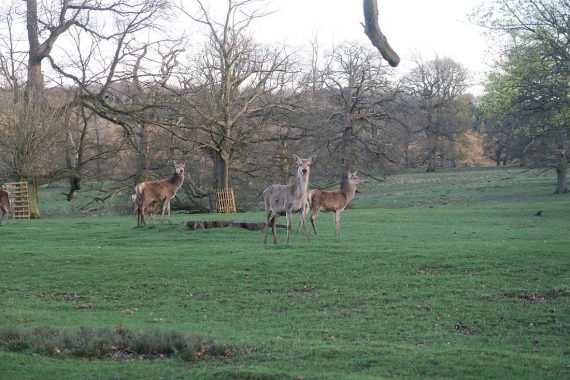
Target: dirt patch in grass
306, 291
445, 270
528, 297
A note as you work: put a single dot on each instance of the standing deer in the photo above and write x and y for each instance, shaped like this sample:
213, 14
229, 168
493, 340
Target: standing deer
333, 200
288, 199
6, 205
158, 192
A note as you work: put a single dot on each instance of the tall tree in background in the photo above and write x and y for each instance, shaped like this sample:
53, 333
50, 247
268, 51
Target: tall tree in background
531, 85
438, 84
232, 77
354, 77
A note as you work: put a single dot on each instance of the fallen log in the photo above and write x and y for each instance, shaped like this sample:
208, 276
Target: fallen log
207, 224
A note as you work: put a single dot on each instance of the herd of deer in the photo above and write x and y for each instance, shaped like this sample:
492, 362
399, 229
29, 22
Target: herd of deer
296, 198
280, 200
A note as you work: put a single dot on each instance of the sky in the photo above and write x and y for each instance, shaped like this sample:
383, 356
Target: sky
423, 28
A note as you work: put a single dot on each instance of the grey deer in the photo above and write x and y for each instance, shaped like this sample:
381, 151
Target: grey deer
333, 200
159, 192
288, 199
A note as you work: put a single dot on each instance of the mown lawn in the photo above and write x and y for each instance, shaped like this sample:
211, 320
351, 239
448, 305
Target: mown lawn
445, 275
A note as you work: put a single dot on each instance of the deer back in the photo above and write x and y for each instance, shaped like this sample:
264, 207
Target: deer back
330, 200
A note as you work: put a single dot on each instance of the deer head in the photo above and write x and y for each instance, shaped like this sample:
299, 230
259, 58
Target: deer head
353, 179
179, 168
304, 165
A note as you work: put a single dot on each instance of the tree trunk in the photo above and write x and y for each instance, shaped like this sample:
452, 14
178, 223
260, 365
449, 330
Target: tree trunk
225, 172
142, 153
346, 160
221, 169
562, 166
35, 83
431, 156
33, 199
562, 176
430, 138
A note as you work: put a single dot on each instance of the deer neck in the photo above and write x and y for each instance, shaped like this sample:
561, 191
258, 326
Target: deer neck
348, 189
301, 184
177, 179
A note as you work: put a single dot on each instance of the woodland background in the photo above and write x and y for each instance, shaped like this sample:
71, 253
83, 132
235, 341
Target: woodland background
106, 94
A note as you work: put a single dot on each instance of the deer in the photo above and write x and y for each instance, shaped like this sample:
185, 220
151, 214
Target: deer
6, 205
150, 210
288, 199
333, 200
157, 192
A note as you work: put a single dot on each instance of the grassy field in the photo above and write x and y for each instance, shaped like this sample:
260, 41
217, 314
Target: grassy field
443, 275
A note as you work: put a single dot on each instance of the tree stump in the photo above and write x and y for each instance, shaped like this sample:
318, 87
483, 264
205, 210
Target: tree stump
207, 224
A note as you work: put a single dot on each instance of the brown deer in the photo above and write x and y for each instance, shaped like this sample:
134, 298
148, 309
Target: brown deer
288, 199
6, 205
150, 210
333, 200
158, 192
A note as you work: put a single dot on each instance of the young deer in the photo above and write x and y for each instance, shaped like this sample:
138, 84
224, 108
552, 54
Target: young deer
288, 199
335, 200
150, 210
6, 205
158, 192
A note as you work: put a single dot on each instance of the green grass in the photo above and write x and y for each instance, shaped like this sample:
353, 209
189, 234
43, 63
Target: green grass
445, 275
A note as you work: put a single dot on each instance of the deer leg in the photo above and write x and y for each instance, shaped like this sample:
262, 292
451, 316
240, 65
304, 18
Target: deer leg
141, 219
337, 222
274, 229
267, 216
4, 212
303, 212
288, 215
169, 219
312, 218
164, 205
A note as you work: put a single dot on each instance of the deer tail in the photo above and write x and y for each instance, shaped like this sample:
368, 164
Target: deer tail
139, 192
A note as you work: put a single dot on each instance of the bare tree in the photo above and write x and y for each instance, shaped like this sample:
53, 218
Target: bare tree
355, 77
228, 92
437, 84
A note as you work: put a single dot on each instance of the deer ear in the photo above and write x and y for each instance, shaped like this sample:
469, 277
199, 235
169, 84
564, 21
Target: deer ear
355, 172
312, 158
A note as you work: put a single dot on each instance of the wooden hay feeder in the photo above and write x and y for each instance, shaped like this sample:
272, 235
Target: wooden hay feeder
19, 193
225, 201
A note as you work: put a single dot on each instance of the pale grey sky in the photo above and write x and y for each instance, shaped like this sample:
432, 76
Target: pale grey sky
413, 27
